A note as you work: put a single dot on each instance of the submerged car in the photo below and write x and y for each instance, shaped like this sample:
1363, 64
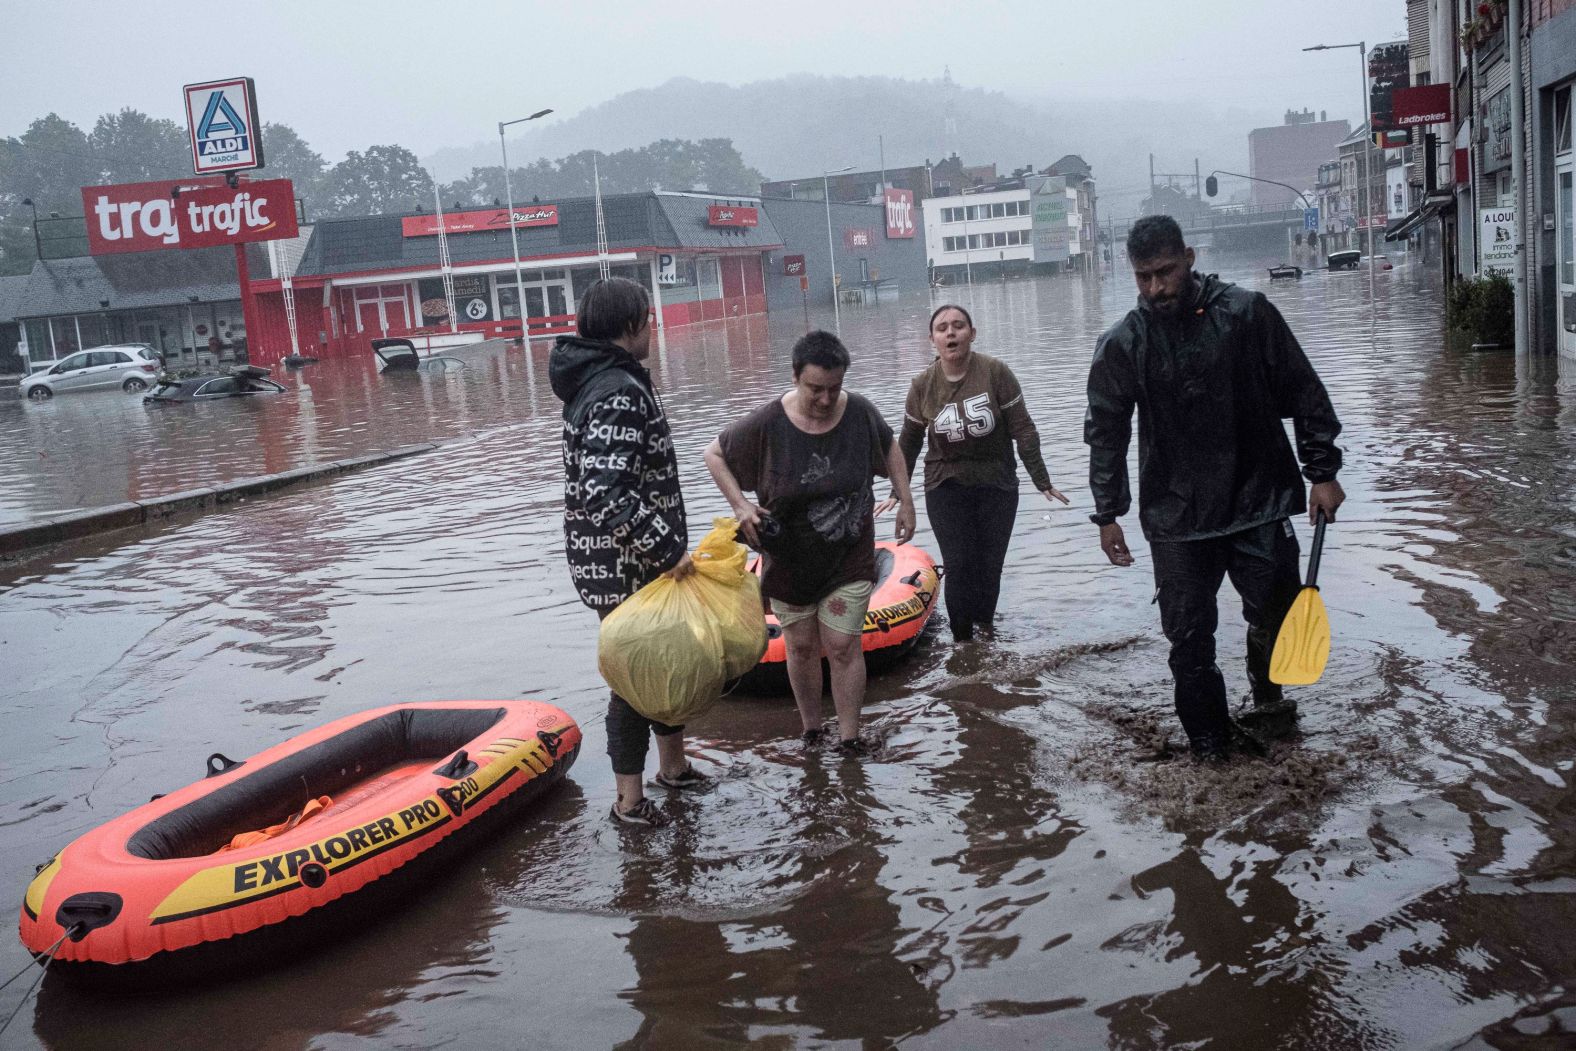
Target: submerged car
241, 381
396, 354
130, 366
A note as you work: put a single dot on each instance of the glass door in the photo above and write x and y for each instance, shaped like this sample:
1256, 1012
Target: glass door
1565, 233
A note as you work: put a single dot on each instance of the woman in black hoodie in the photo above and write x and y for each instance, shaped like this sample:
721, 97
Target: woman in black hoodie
623, 509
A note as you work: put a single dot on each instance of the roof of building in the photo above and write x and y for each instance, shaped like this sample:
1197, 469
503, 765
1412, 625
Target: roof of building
634, 220
11, 296
84, 284
1071, 164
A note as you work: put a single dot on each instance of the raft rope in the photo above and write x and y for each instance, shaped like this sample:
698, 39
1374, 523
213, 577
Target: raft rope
45, 970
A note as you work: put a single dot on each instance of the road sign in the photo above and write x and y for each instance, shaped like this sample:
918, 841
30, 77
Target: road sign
1310, 219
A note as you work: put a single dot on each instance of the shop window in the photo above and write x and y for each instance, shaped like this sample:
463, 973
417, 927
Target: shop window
64, 330
1562, 120
95, 333
508, 298
708, 277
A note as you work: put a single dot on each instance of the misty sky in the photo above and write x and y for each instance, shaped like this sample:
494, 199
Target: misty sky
347, 75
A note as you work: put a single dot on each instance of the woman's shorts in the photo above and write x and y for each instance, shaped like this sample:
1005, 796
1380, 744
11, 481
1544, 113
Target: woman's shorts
842, 610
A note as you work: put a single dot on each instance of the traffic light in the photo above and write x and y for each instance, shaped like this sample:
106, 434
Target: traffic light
1211, 186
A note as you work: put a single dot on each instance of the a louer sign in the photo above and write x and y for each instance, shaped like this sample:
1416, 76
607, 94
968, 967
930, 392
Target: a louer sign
144, 216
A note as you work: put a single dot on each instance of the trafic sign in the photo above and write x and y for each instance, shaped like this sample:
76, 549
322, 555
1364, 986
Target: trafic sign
145, 216
1310, 219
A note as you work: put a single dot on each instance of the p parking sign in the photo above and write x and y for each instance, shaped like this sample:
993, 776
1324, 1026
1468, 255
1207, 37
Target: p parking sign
1310, 218
225, 132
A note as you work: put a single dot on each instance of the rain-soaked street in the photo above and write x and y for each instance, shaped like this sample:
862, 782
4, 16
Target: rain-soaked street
1015, 869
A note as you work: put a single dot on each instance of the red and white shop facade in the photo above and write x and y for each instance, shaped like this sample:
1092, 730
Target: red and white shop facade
702, 258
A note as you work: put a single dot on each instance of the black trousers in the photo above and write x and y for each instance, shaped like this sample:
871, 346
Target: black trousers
627, 735
1263, 567
973, 525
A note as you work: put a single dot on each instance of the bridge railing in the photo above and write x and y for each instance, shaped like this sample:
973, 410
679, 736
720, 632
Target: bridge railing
1244, 215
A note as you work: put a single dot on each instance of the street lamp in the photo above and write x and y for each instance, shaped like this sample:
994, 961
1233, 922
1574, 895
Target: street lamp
1212, 185
514, 236
1368, 142
831, 250
38, 248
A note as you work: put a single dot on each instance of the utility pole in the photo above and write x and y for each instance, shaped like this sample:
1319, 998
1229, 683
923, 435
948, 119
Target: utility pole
1198, 192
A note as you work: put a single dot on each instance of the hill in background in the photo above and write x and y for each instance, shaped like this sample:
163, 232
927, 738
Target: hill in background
801, 125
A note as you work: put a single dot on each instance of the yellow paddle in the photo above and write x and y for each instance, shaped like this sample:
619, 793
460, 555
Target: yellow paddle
1303, 645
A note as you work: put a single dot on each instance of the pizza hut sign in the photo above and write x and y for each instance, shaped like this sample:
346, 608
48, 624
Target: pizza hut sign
732, 215
144, 216
793, 266
472, 222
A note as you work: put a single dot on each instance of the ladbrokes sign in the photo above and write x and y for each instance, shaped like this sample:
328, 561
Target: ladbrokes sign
147, 216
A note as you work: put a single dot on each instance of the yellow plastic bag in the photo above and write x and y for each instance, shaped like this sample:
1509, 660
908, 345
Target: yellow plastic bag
669, 648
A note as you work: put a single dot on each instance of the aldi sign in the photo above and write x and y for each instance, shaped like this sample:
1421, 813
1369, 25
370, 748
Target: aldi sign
225, 132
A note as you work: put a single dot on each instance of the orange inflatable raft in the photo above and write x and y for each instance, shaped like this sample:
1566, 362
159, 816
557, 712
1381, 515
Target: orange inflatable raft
253, 860
907, 583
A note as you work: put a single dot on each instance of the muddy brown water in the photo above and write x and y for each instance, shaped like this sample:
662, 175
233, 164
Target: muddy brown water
1022, 866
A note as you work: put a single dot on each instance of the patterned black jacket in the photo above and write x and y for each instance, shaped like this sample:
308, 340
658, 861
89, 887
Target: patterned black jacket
623, 509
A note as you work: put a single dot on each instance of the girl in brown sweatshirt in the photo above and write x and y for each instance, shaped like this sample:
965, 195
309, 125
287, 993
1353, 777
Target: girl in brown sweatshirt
971, 408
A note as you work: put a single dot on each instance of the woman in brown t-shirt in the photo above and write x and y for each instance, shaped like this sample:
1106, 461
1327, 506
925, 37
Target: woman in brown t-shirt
809, 457
971, 407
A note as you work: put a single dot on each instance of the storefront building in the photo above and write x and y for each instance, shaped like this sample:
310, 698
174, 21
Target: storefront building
879, 254
186, 305
1551, 274
701, 256
1029, 223
12, 361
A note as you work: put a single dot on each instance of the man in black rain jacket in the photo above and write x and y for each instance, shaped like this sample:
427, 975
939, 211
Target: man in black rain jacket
623, 508
1212, 370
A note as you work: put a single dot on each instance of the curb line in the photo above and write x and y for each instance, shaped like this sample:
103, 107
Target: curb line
19, 539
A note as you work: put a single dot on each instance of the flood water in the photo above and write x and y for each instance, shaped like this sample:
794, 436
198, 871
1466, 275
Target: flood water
1017, 868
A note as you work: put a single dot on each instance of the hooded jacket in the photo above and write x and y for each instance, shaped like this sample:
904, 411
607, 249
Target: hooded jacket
623, 508
1211, 388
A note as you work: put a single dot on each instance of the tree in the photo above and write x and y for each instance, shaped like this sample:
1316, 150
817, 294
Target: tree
48, 164
130, 146
289, 157
384, 179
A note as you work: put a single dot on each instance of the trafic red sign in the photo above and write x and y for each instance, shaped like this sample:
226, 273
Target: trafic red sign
899, 213
147, 216
732, 215
471, 222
